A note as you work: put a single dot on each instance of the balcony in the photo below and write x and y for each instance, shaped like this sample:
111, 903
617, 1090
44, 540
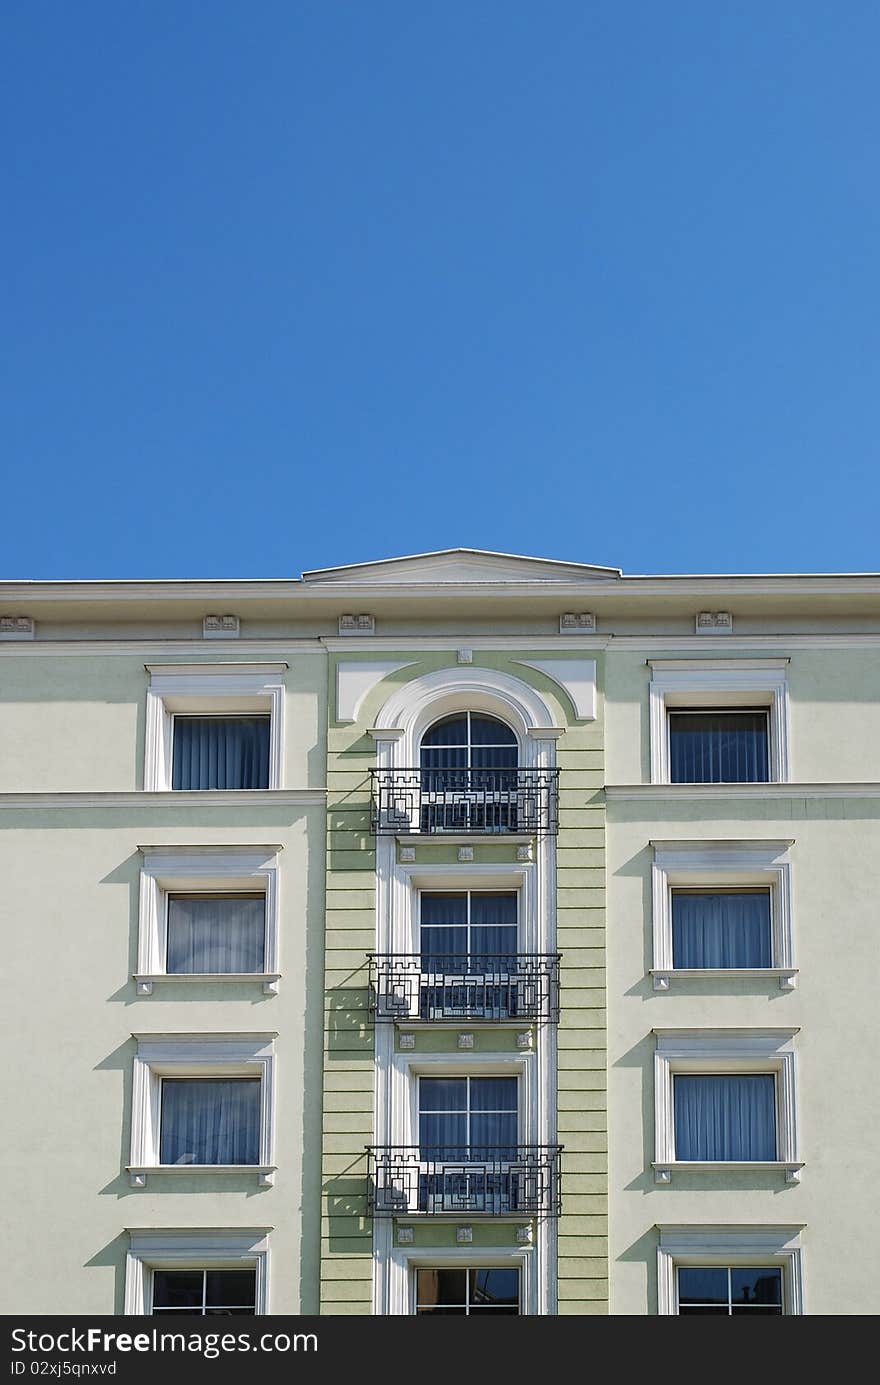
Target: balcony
407, 1179
482, 801
489, 988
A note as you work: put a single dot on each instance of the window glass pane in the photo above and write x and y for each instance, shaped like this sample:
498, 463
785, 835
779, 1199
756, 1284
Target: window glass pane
210, 1121
722, 929
177, 1289
486, 731
443, 1135
216, 933
690, 1311
718, 747
493, 1135
725, 1117
702, 1285
494, 909
441, 1286
493, 1094
443, 909
495, 943
220, 753
236, 1287
495, 1287
442, 945
450, 731
756, 1286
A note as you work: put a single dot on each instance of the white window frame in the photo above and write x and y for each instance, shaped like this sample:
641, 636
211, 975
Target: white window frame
706, 1246
694, 684
730, 1051
402, 927
201, 870
193, 1249
197, 1056
210, 690
399, 1297
722, 865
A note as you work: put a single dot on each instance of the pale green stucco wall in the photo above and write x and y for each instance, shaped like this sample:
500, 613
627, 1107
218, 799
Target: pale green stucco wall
70, 904
73, 723
835, 887
828, 689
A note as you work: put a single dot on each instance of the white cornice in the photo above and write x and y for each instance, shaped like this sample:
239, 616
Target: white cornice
283, 647
613, 587
184, 798
154, 648
683, 792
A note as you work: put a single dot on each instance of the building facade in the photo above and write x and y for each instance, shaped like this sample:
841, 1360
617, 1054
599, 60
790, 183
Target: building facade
453, 934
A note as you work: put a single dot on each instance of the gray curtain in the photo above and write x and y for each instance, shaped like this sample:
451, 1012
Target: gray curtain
220, 753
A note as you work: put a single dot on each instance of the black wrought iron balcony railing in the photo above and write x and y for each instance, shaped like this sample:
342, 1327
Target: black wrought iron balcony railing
465, 800
496, 1182
494, 988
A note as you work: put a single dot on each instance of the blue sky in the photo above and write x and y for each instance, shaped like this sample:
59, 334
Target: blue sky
302, 282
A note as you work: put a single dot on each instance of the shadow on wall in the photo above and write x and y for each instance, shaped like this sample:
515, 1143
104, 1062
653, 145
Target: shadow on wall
128, 873
640, 867
644, 1252
348, 1226
641, 1056
113, 1255
121, 1060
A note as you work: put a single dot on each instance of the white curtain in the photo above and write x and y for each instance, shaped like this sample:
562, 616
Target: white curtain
216, 934
210, 1121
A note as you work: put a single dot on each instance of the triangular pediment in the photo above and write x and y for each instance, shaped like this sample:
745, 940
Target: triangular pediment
460, 565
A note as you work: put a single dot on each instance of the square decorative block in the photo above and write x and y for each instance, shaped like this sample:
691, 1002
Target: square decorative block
357, 625
714, 623
577, 622
16, 628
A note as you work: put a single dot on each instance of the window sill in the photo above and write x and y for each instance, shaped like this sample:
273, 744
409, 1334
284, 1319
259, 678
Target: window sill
663, 1171
786, 976
145, 981
137, 1173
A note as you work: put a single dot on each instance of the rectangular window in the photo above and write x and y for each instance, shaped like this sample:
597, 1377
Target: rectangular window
729, 1118
210, 1121
719, 746
462, 1292
215, 933
721, 929
470, 928
220, 752
730, 1290
207, 1293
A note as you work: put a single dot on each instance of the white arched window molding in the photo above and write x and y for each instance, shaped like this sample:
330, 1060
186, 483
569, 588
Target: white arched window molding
413, 708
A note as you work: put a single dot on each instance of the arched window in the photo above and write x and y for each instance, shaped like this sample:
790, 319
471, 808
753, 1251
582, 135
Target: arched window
469, 778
